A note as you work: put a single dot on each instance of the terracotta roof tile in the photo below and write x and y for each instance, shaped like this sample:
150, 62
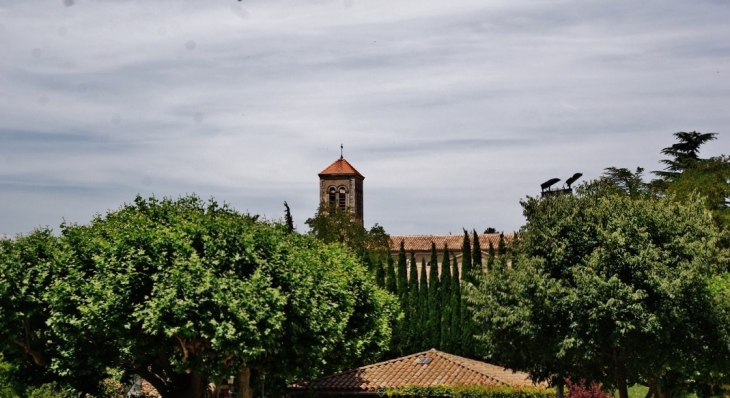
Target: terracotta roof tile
442, 369
340, 166
423, 242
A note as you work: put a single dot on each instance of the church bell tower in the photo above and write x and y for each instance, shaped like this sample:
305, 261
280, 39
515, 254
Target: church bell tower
340, 187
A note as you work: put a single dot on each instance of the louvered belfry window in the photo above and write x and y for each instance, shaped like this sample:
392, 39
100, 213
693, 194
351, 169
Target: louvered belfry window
333, 199
343, 198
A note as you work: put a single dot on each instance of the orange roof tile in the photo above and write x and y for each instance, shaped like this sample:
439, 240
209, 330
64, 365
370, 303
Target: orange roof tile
340, 166
423, 242
417, 370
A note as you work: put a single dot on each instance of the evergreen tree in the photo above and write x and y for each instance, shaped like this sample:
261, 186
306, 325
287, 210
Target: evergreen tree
455, 307
434, 301
415, 312
380, 275
476, 258
288, 219
490, 257
390, 283
402, 276
466, 263
446, 300
502, 251
423, 310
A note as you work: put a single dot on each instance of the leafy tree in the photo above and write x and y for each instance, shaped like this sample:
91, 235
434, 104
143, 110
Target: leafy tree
609, 288
342, 226
490, 230
434, 301
710, 178
630, 182
683, 154
182, 292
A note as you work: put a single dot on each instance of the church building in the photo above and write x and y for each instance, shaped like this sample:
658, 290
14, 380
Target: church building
341, 187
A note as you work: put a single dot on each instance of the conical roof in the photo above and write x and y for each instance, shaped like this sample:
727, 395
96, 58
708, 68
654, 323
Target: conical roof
340, 167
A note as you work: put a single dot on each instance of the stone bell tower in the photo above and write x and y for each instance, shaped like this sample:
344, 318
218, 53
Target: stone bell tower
340, 187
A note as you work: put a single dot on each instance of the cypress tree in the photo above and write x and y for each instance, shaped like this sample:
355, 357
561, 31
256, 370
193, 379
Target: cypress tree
502, 251
446, 300
466, 258
415, 316
455, 307
424, 331
476, 258
402, 275
390, 283
434, 301
490, 256
380, 275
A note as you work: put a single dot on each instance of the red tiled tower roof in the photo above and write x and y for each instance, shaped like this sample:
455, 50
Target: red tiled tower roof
340, 166
424, 369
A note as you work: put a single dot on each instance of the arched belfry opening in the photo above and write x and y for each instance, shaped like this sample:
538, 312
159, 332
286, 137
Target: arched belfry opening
340, 188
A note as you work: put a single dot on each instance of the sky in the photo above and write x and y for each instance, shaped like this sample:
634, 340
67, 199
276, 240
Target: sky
452, 110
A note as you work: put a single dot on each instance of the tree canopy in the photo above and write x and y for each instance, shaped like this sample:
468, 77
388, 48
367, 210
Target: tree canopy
610, 288
184, 292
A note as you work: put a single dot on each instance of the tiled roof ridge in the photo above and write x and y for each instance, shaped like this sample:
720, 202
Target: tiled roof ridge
446, 355
373, 365
442, 235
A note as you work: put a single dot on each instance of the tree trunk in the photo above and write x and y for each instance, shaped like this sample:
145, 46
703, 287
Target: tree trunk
559, 387
244, 385
620, 366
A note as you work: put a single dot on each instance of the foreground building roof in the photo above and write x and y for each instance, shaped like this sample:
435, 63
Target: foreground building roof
424, 369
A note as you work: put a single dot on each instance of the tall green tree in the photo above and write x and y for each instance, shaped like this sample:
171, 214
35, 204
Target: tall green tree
380, 275
402, 276
466, 261
434, 301
683, 155
609, 288
391, 285
414, 327
185, 292
629, 181
446, 287
424, 330
477, 253
455, 308
502, 251
491, 256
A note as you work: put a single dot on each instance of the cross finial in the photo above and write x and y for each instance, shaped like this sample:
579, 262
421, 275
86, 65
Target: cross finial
341, 148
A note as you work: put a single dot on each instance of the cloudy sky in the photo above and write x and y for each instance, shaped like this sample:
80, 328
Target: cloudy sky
453, 110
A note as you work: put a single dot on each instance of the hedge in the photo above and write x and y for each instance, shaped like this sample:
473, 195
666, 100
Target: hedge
470, 392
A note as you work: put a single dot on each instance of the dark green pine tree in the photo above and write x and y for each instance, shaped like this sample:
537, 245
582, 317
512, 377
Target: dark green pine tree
476, 258
423, 331
434, 301
455, 307
445, 301
380, 275
502, 252
390, 280
490, 257
466, 265
413, 326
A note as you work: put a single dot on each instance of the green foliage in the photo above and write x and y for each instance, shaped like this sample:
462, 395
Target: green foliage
414, 324
630, 182
608, 288
490, 257
434, 301
181, 292
424, 310
49, 390
477, 253
469, 392
391, 285
683, 154
446, 287
455, 309
343, 227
